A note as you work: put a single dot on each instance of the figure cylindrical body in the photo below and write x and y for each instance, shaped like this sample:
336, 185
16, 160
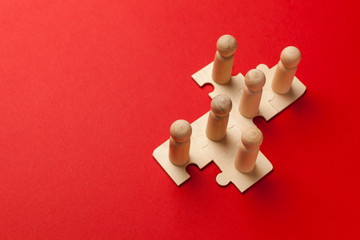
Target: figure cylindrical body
249, 102
251, 93
248, 150
224, 59
179, 151
216, 126
179, 144
222, 68
218, 117
285, 70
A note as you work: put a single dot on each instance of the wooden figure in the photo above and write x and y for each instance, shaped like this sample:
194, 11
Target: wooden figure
224, 59
285, 70
218, 117
179, 148
248, 150
251, 93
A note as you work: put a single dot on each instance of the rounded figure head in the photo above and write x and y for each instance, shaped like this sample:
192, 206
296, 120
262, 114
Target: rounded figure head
255, 80
180, 130
226, 45
252, 138
221, 105
290, 57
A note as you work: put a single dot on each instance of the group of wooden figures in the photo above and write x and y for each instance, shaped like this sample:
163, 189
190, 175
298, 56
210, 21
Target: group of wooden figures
221, 105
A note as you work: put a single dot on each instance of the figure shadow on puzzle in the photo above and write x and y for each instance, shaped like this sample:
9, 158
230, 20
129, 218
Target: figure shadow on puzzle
227, 135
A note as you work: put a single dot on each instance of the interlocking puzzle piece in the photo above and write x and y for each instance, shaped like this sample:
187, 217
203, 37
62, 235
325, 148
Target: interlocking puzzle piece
197, 156
241, 180
203, 150
223, 154
271, 102
281, 101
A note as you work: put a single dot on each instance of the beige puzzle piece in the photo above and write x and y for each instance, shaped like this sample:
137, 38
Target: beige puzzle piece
203, 150
197, 156
231, 89
241, 180
271, 103
281, 101
223, 153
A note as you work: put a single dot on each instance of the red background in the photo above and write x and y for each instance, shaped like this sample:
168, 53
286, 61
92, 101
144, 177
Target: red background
88, 89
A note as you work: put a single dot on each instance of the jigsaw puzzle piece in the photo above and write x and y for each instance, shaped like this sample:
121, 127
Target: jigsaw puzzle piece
280, 101
231, 89
177, 173
216, 148
223, 153
197, 156
242, 181
237, 124
269, 106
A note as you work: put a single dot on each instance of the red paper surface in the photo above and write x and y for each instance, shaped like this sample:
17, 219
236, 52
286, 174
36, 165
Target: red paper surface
88, 89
